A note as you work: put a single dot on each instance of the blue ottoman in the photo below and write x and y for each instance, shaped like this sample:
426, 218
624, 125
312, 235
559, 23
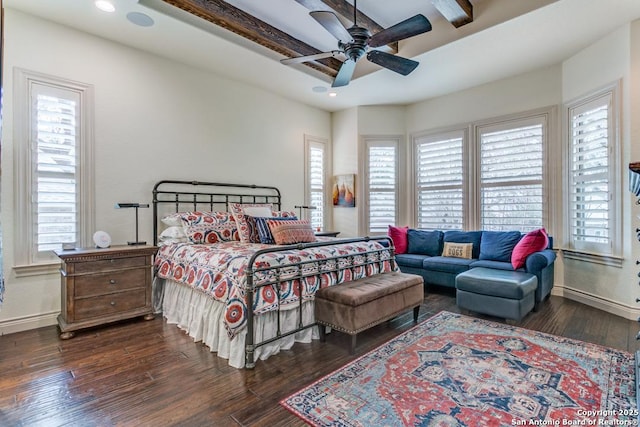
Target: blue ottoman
500, 293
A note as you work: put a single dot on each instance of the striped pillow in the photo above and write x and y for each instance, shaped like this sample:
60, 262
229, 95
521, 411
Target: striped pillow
289, 232
263, 228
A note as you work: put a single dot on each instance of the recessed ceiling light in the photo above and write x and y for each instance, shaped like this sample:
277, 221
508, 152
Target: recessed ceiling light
319, 89
105, 5
140, 19
333, 94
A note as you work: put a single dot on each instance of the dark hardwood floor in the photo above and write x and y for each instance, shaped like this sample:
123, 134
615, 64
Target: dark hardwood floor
148, 373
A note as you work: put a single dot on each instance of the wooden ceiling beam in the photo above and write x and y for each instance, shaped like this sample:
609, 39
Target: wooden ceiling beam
243, 24
458, 12
345, 9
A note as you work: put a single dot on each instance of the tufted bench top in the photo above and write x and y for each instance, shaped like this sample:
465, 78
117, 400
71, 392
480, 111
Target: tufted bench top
362, 291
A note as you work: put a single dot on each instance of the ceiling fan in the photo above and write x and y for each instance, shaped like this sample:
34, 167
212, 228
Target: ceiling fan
355, 41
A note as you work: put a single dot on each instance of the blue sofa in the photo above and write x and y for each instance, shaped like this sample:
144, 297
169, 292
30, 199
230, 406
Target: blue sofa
491, 249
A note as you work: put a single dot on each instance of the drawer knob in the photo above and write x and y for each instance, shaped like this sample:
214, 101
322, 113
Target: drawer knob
112, 281
113, 303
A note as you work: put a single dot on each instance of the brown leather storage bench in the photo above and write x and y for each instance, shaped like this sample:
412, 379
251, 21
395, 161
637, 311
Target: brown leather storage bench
352, 307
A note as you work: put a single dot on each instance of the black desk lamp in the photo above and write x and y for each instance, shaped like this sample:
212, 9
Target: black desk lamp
136, 206
303, 207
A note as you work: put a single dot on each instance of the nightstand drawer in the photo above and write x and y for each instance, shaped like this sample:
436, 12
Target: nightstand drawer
105, 305
109, 264
99, 284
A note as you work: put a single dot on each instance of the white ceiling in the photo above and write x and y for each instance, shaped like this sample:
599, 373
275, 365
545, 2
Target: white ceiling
505, 39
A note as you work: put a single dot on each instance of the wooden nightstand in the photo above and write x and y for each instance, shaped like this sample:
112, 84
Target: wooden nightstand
104, 285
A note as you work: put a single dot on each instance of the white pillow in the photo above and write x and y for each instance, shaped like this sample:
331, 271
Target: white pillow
173, 232
260, 211
172, 220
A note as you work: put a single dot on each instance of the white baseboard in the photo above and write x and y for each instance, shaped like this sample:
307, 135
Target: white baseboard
596, 301
30, 322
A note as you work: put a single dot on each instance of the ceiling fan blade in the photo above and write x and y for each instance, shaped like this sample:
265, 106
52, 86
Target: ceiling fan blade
408, 28
331, 23
344, 74
307, 58
395, 63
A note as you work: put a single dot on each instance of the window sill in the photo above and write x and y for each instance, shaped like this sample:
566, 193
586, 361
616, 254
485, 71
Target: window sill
36, 269
610, 260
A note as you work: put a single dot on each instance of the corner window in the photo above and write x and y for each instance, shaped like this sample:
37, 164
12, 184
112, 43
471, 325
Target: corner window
381, 181
592, 169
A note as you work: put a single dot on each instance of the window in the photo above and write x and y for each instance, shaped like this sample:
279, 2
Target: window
315, 180
381, 181
55, 204
486, 176
511, 175
439, 181
593, 165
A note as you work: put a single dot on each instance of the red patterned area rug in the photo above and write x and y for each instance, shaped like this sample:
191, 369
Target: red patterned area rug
454, 370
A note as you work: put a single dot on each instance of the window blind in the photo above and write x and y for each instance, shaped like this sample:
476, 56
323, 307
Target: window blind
511, 177
590, 195
382, 168
55, 181
316, 191
439, 179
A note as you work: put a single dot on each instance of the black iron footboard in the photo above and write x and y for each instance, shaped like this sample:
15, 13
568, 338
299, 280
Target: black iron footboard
259, 277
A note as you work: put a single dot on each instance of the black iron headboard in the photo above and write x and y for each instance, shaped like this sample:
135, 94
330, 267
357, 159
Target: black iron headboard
177, 196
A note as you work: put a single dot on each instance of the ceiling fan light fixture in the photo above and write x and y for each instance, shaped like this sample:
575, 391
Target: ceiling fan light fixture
105, 6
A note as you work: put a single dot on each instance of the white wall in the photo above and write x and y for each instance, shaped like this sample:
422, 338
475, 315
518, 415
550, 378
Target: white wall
611, 288
345, 161
154, 119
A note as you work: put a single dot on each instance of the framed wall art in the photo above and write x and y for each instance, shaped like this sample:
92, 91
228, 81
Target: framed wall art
344, 191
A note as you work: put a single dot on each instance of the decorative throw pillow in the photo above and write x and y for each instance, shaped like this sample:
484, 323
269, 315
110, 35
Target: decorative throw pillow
457, 250
533, 241
209, 227
246, 229
457, 236
289, 232
263, 228
399, 237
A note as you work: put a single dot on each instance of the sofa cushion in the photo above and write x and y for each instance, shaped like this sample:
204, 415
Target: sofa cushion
533, 241
465, 237
498, 245
424, 242
399, 237
498, 265
447, 264
410, 260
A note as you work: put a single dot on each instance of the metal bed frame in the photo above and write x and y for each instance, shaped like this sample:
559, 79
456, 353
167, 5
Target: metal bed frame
196, 195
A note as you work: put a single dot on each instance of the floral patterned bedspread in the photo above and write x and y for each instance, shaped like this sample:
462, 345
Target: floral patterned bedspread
219, 270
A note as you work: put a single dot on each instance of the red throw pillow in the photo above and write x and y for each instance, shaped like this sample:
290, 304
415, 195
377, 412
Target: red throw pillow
399, 237
533, 241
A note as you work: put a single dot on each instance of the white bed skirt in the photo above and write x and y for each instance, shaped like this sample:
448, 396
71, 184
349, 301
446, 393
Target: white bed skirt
202, 318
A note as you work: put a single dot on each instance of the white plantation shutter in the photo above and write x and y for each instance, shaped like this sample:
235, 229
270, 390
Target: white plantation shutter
511, 176
316, 186
382, 175
55, 180
55, 201
439, 181
590, 182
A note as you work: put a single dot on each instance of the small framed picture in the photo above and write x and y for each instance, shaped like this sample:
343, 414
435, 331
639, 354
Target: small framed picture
344, 191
